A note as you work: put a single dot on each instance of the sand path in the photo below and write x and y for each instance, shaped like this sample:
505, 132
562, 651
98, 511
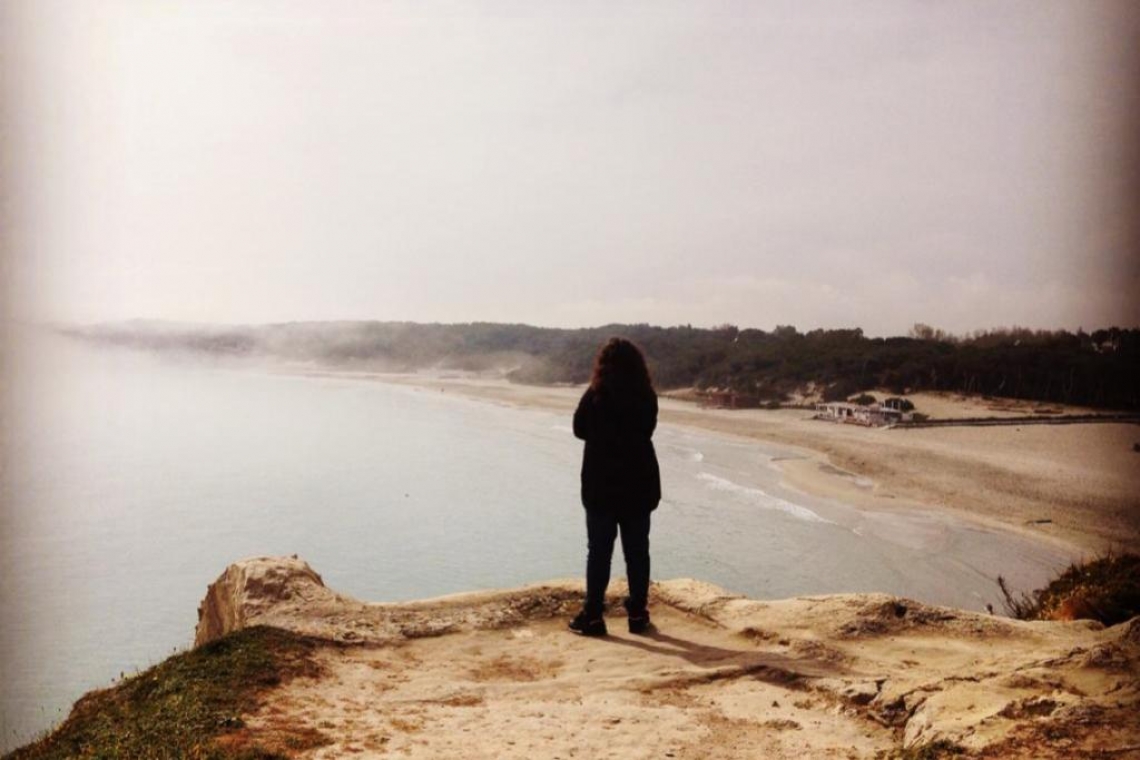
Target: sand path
539, 691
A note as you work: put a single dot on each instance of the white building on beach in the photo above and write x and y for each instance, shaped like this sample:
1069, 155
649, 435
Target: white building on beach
872, 415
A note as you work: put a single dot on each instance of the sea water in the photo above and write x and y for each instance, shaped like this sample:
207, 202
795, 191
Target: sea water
130, 481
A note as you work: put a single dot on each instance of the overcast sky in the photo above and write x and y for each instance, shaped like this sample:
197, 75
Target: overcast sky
964, 164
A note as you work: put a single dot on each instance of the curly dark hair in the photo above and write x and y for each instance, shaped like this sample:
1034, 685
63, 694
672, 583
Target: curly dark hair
620, 369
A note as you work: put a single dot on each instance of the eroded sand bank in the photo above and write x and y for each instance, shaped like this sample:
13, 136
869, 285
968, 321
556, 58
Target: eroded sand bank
497, 675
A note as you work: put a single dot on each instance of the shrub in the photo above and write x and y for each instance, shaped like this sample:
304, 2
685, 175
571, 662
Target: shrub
1106, 589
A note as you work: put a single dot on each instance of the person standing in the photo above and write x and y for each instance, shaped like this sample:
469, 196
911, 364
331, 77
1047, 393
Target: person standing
621, 480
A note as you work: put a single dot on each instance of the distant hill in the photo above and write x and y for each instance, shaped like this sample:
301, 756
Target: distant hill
1098, 369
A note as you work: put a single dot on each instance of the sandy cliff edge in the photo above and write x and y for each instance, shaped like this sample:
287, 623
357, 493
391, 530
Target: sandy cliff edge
496, 674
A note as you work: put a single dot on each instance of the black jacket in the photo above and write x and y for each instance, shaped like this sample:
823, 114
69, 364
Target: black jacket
619, 465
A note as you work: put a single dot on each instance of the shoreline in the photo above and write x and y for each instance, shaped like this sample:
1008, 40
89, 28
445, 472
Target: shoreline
1075, 488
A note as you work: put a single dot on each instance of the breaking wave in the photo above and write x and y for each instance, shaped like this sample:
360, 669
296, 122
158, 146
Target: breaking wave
761, 498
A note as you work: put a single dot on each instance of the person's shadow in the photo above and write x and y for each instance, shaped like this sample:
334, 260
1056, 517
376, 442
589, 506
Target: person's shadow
720, 663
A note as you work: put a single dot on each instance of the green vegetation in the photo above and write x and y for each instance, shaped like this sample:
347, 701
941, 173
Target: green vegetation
1106, 589
183, 706
929, 751
1099, 369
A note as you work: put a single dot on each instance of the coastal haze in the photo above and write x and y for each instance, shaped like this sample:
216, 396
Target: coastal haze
966, 165
326, 279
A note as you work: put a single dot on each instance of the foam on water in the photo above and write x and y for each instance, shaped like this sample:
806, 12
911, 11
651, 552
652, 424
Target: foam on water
761, 498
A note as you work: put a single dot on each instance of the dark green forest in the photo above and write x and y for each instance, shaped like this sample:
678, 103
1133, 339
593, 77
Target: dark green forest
1098, 369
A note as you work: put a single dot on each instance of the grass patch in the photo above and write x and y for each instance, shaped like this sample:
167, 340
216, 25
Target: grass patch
1106, 589
930, 751
188, 706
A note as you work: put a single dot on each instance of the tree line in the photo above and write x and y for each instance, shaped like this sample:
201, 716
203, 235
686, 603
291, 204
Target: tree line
1098, 369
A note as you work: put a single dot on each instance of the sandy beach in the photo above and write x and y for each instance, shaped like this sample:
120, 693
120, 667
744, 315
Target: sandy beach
1076, 486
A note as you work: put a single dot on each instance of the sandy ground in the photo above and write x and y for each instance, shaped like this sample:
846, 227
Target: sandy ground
497, 675
1077, 486
536, 691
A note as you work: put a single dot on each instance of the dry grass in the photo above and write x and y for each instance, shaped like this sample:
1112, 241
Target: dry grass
1106, 589
189, 706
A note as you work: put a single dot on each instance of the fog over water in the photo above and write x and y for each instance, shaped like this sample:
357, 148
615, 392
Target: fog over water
132, 481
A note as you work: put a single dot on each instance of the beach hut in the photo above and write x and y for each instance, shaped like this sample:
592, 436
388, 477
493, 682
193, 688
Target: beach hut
873, 415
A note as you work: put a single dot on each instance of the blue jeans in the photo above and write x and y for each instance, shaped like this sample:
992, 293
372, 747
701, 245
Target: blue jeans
601, 531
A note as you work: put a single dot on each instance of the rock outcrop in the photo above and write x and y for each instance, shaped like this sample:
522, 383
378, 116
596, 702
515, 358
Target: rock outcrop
495, 674
262, 591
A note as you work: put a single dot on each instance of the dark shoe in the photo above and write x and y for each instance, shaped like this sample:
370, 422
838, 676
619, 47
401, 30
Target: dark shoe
639, 622
587, 626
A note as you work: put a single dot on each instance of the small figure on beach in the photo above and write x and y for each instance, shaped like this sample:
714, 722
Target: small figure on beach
621, 480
